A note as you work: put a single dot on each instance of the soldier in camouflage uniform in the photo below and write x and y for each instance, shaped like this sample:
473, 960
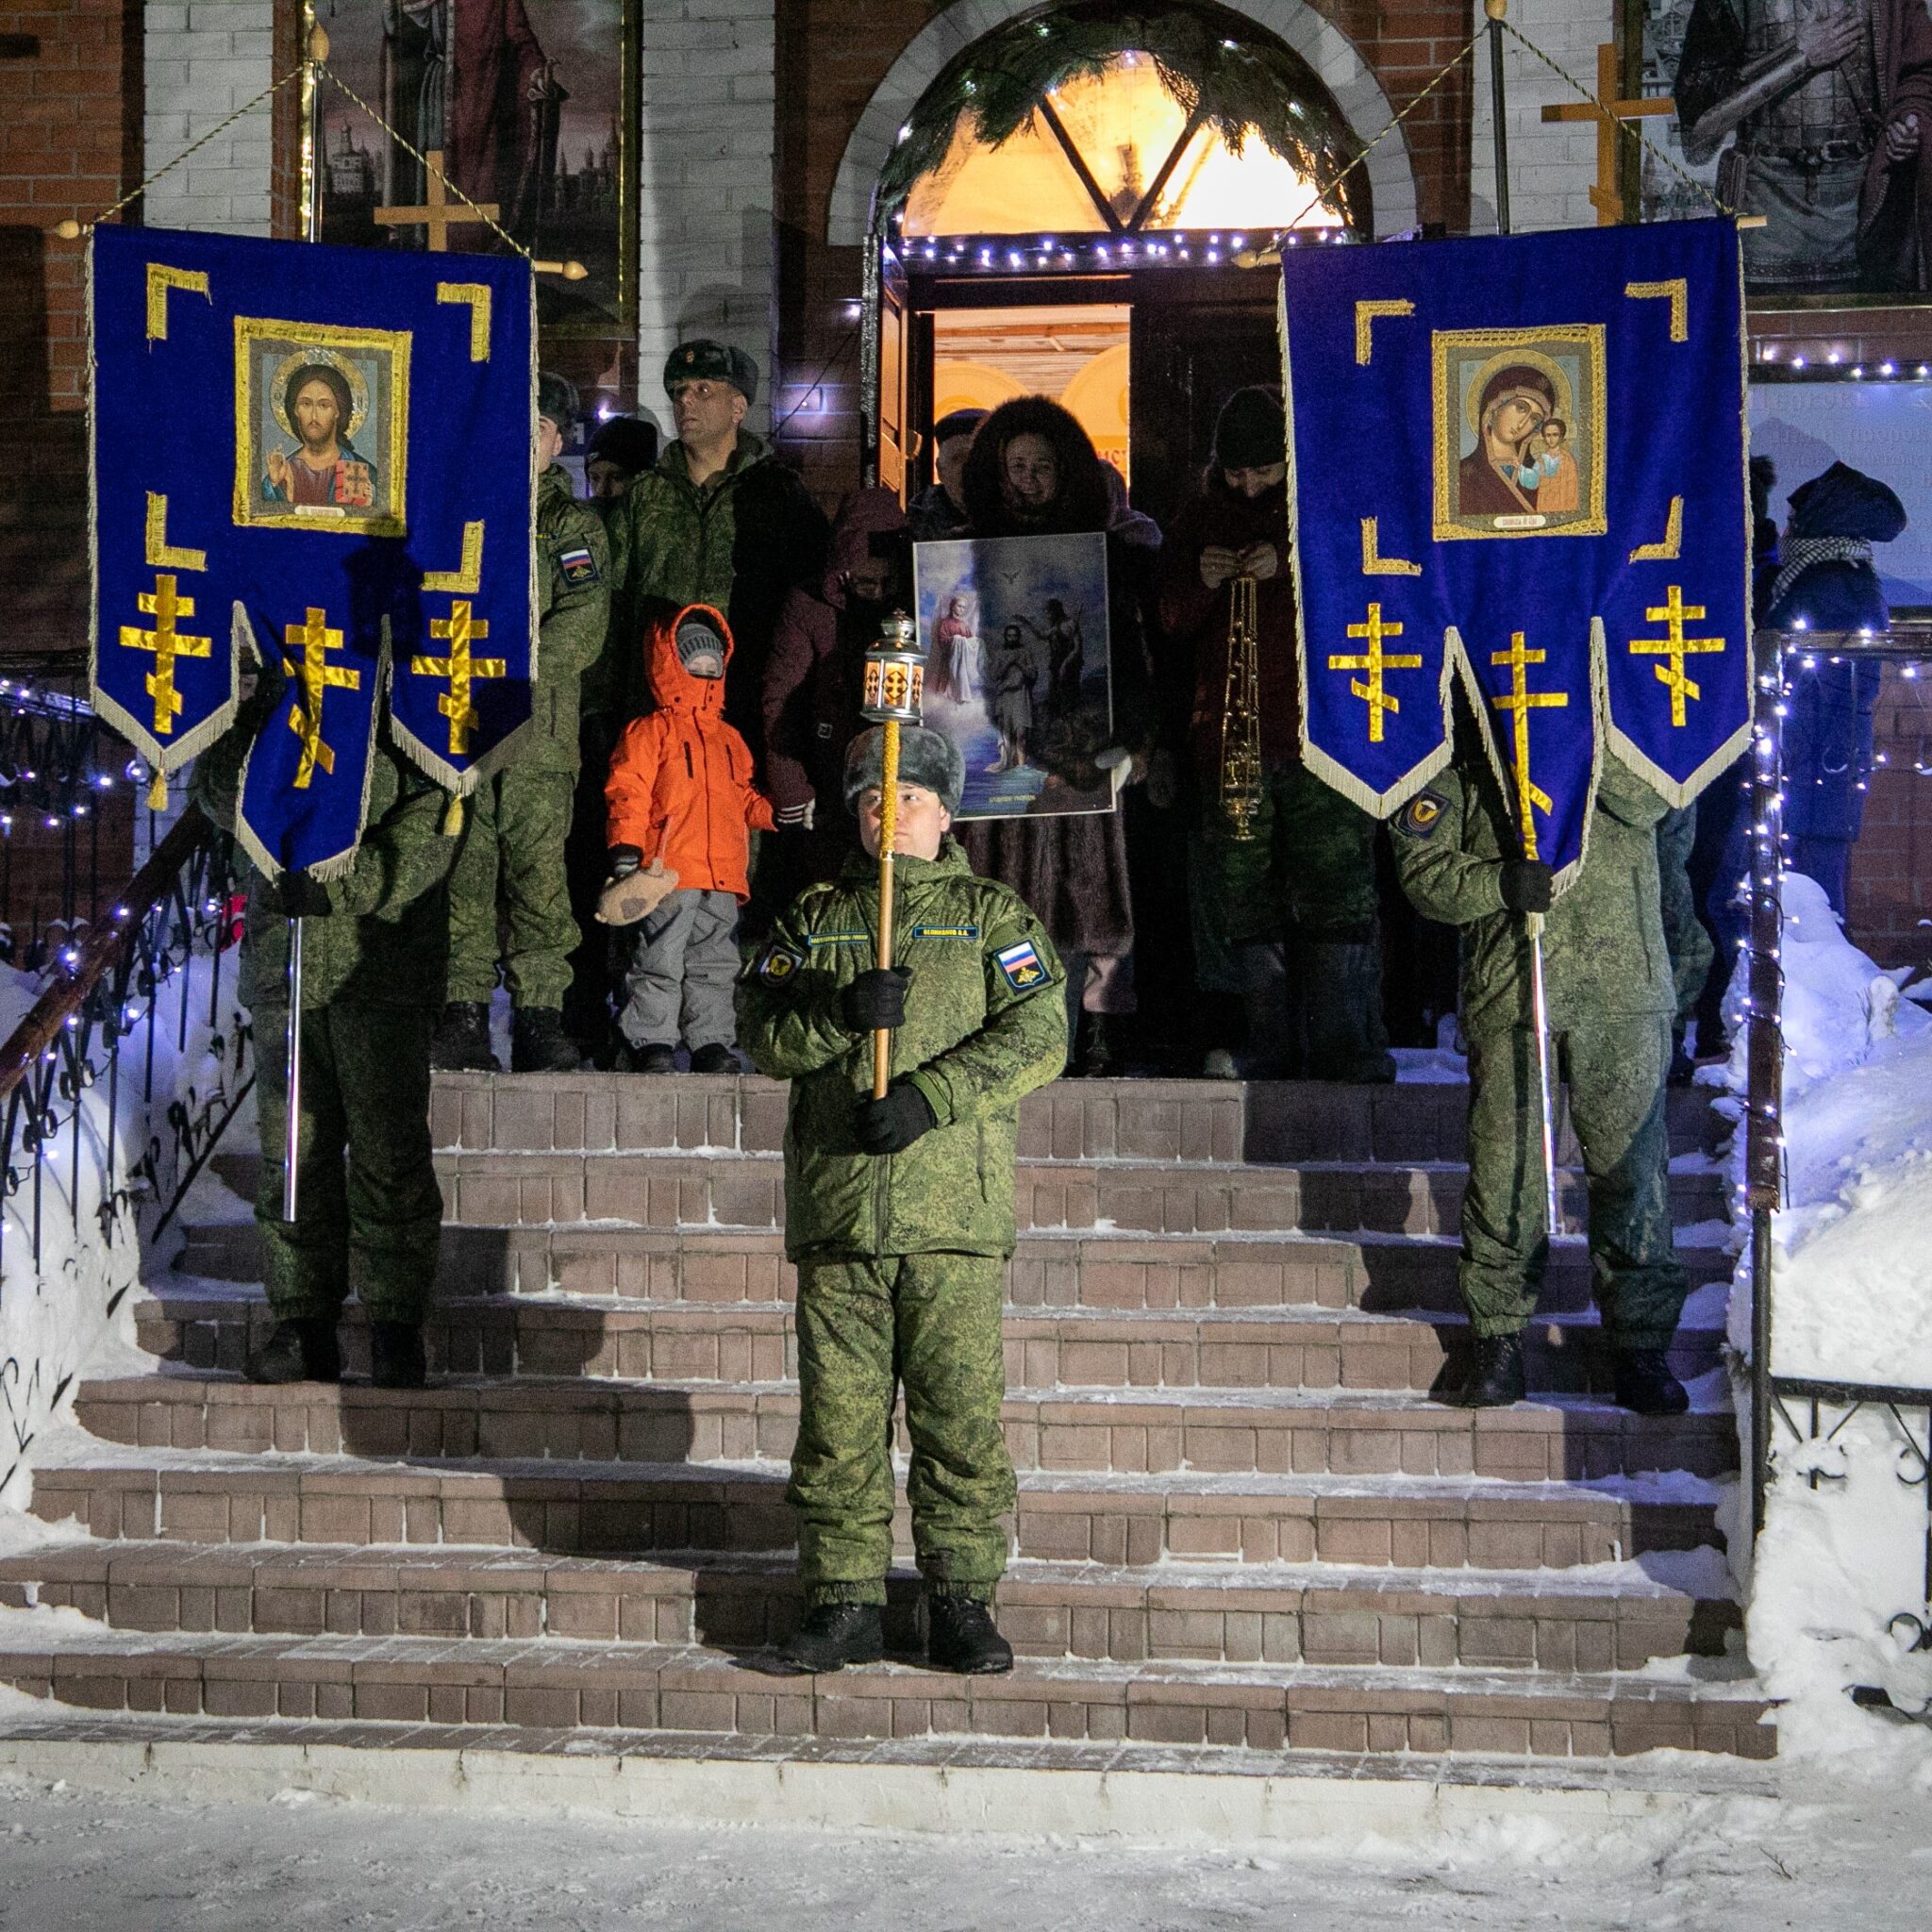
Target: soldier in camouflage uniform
517, 818
1685, 939
899, 1212
374, 949
1608, 975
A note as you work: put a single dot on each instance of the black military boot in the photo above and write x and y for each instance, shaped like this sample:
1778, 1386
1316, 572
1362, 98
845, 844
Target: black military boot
716, 1057
1273, 1050
960, 1634
1645, 1384
1341, 981
654, 1059
303, 1350
834, 1634
396, 1360
1097, 1048
461, 1044
539, 1045
1495, 1378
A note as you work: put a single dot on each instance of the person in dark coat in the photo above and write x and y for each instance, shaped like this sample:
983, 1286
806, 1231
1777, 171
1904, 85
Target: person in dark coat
815, 680
1295, 903
1826, 582
938, 511
1032, 471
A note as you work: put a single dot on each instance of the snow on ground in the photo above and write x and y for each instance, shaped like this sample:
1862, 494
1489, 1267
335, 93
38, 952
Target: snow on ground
1831, 1856
1844, 1546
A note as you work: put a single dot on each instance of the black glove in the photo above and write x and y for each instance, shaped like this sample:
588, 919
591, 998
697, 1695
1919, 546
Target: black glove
295, 895
875, 999
624, 860
1525, 885
891, 1124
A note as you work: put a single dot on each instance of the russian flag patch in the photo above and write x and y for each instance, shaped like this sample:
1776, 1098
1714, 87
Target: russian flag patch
578, 565
1021, 966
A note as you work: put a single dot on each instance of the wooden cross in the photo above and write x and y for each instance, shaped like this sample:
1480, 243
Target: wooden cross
1375, 662
167, 607
1675, 613
1521, 701
459, 629
438, 215
1607, 110
314, 674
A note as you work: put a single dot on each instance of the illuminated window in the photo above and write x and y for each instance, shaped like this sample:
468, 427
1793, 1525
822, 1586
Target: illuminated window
1106, 152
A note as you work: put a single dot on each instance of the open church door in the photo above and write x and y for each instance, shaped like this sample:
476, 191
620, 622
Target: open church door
896, 379
1191, 349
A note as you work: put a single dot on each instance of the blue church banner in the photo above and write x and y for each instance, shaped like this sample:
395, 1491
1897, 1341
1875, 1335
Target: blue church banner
1521, 462
326, 457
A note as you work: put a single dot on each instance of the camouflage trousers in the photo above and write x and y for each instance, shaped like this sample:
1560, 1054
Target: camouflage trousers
368, 1210
1691, 952
932, 1324
515, 825
1615, 1072
1310, 866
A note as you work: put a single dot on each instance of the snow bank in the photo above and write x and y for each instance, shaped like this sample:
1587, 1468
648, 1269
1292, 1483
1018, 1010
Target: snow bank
78, 1232
1840, 1570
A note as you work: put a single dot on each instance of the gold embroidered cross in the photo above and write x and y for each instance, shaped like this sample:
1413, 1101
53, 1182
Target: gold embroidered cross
1521, 701
1374, 661
314, 674
458, 630
167, 607
1676, 614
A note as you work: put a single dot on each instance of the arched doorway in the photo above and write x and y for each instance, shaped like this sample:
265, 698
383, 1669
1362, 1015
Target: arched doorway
1065, 208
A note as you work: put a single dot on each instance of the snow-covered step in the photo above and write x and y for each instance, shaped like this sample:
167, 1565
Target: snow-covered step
1251, 1707
1087, 1347
592, 1508
1611, 1617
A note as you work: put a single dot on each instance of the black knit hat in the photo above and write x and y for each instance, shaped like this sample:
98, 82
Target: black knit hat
1252, 430
628, 441
957, 423
925, 757
1846, 502
557, 398
703, 361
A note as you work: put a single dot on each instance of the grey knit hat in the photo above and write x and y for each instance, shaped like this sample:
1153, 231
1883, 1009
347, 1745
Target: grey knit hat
925, 757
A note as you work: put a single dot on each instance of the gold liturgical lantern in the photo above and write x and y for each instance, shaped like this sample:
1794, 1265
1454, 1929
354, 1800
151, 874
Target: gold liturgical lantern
894, 673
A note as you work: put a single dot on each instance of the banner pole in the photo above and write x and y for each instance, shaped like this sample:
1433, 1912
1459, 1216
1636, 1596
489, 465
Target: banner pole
1546, 1086
1497, 11
291, 1127
889, 830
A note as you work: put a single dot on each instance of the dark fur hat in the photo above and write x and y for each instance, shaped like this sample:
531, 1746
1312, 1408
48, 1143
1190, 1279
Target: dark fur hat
1081, 503
925, 757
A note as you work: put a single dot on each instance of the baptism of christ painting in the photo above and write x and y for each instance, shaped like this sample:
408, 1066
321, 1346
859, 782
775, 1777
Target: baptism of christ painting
1518, 433
321, 416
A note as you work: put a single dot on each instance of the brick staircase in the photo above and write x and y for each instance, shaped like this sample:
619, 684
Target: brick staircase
1244, 1533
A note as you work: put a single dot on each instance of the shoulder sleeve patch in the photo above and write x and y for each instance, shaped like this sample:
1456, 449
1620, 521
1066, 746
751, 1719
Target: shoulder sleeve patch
576, 563
1423, 814
776, 964
1020, 965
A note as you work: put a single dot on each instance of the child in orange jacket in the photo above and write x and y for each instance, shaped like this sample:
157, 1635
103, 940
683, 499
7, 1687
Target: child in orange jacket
681, 803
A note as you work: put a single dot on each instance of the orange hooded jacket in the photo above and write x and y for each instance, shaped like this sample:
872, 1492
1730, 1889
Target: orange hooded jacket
680, 786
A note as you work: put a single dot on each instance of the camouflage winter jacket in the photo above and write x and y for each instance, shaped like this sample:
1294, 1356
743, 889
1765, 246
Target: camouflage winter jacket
574, 606
739, 544
384, 942
1604, 952
986, 1023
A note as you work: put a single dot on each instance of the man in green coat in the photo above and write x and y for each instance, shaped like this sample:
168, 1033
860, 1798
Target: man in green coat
375, 950
518, 820
718, 521
1610, 999
899, 1212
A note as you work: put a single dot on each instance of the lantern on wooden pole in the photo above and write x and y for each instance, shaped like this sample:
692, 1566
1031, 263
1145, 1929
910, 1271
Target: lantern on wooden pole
894, 692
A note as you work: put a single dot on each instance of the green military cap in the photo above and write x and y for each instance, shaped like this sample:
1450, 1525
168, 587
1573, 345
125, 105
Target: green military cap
703, 361
925, 757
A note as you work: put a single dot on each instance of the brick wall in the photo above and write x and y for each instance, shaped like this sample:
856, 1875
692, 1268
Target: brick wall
1551, 169
707, 159
70, 143
203, 60
1890, 893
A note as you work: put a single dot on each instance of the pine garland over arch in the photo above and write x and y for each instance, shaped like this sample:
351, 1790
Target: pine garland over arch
1240, 79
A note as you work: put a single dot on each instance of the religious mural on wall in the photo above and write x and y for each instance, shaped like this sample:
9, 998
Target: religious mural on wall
532, 108
1816, 114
